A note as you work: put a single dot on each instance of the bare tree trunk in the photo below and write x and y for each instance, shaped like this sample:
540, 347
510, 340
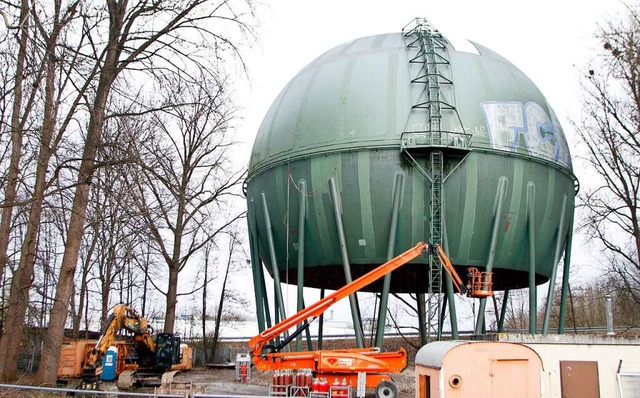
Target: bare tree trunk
16, 139
172, 299
16, 147
223, 293
22, 280
132, 29
47, 370
204, 302
77, 316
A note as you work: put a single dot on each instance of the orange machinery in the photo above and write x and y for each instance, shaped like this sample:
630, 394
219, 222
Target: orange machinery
479, 284
155, 355
345, 364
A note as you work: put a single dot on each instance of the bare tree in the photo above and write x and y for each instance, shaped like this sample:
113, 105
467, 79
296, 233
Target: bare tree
186, 177
224, 294
610, 131
157, 37
18, 120
23, 276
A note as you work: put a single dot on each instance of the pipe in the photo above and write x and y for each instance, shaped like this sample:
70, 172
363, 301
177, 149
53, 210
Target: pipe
500, 195
533, 305
321, 323
386, 284
302, 186
565, 278
443, 311
554, 271
353, 300
453, 317
609, 310
422, 322
279, 302
503, 311
256, 264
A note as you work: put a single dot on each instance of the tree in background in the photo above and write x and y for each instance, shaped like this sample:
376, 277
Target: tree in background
158, 38
186, 178
54, 76
586, 307
610, 130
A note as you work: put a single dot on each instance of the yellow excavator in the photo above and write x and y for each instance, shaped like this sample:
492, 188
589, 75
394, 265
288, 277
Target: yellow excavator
143, 357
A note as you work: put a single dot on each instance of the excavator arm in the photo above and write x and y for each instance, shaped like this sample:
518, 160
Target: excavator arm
121, 317
258, 343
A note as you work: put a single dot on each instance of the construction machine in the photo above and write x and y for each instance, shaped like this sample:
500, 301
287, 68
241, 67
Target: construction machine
143, 357
479, 284
349, 363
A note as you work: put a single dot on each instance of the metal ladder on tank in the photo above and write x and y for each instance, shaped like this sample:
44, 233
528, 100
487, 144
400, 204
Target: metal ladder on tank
427, 53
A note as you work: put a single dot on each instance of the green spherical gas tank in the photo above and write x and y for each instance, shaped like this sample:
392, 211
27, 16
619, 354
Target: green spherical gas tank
367, 117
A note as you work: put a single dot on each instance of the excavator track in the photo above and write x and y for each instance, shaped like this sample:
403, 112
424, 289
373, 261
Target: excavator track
126, 380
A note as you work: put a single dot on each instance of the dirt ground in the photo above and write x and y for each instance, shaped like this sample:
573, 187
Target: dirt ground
222, 381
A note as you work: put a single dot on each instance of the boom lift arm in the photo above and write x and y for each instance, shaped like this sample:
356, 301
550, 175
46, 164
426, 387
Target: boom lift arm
258, 343
345, 364
479, 284
348, 363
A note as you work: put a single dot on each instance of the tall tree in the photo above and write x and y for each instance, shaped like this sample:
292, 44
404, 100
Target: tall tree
186, 177
18, 120
156, 37
610, 130
22, 277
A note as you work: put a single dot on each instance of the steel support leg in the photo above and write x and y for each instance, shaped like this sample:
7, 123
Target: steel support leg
565, 278
533, 297
256, 265
443, 311
384, 297
302, 186
500, 195
321, 323
353, 300
503, 310
554, 271
422, 322
274, 263
453, 317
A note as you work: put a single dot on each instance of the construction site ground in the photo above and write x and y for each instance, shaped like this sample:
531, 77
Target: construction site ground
222, 381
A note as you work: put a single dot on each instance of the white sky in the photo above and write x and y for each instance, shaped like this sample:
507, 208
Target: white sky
550, 41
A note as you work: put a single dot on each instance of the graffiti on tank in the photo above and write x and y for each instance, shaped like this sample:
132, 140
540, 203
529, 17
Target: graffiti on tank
508, 120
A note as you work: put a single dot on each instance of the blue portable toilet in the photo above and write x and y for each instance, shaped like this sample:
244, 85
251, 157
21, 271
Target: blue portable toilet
109, 364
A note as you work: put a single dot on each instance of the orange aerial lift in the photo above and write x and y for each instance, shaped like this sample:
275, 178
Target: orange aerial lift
479, 284
345, 364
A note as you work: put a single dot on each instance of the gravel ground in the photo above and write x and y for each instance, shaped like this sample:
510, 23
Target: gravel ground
222, 381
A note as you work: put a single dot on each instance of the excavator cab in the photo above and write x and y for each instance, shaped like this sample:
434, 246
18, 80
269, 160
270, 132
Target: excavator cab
167, 350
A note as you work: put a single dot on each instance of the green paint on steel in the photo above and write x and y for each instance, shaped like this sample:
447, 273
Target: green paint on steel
348, 109
392, 92
514, 212
320, 185
366, 211
342, 126
551, 208
469, 212
418, 209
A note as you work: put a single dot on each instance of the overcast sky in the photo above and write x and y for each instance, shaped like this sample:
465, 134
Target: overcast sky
550, 41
